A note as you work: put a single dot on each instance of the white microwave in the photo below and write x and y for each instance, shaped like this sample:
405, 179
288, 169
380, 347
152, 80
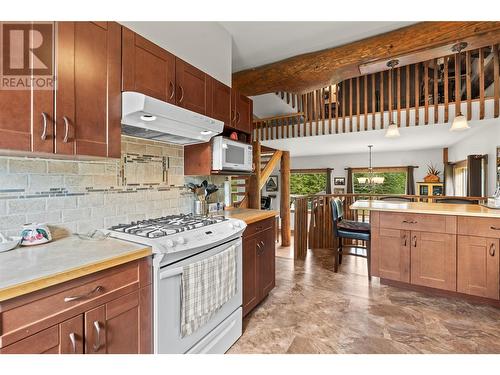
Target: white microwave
229, 155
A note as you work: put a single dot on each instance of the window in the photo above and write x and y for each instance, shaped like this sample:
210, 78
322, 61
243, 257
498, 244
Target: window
460, 179
394, 181
307, 183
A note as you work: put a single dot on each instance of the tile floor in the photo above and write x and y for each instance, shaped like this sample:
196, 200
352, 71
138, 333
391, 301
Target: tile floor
313, 310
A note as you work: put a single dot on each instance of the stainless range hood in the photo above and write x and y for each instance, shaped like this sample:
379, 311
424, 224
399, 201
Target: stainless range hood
150, 118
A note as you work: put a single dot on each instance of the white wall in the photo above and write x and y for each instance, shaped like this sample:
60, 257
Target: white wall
206, 45
484, 141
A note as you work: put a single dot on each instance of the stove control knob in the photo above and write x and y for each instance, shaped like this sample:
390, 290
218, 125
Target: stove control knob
169, 243
181, 240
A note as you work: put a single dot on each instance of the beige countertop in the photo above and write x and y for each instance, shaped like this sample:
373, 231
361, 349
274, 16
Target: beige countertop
249, 215
426, 208
27, 269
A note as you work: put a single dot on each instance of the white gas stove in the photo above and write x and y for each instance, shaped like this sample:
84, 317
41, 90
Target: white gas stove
178, 241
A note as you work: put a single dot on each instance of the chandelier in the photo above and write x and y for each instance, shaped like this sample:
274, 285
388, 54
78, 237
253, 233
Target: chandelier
371, 179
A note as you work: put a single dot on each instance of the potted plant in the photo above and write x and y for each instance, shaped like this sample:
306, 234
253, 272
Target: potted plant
432, 174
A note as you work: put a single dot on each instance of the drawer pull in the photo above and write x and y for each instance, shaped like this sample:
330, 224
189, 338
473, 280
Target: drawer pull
44, 132
182, 94
172, 88
495, 228
405, 240
97, 344
492, 249
410, 222
97, 289
414, 241
66, 129
72, 339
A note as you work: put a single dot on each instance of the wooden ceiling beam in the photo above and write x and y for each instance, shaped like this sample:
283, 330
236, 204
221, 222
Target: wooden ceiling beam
415, 43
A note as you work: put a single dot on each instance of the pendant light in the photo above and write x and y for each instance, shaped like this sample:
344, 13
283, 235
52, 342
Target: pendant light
460, 121
393, 129
371, 179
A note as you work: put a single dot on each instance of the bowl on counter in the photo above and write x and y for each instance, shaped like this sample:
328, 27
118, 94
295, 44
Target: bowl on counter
10, 243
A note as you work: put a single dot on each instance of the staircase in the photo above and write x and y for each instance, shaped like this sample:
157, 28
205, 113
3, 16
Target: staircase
293, 100
267, 159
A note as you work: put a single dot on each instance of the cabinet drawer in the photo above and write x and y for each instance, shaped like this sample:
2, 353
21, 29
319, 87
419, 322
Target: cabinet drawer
28, 314
479, 226
419, 222
259, 226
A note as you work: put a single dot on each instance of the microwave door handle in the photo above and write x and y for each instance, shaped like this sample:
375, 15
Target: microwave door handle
170, 273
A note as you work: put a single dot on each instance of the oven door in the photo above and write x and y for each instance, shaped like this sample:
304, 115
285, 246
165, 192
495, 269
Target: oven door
218, 334
236, 156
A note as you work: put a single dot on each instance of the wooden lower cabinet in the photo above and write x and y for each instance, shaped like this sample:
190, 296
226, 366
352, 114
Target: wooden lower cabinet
115, 320
393, 253
434, 260
258, 263
478, 266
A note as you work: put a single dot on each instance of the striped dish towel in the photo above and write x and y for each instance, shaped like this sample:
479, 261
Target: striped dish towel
206, 286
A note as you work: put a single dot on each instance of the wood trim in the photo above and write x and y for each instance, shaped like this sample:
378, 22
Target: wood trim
496, 80
481, 83
309, 170
458, 82
373, 101
398, 96
446, 81
426, 92
407, 95
365, 88
417, 94
435, 96
468, 84
381, 90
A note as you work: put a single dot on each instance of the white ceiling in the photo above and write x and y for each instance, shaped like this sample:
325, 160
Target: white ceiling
259, 43
412, 138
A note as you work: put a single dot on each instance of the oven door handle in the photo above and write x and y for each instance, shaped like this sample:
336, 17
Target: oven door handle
172, 272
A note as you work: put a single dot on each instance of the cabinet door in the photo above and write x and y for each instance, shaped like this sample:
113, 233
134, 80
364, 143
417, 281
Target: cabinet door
191, 87
147, 68
220, 101
88, 98
266, 261
434, 260
243, 113
250, 281
394, 254
71, 336
95, 331
478, 266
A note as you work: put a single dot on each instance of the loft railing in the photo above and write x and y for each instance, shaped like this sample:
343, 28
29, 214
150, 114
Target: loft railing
428, 92
313, 227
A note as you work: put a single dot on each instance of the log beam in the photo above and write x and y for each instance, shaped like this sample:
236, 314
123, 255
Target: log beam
419, 42
285, 199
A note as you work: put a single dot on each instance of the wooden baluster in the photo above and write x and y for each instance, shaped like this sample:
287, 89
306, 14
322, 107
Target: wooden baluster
398, 96
350, 104
435, 93
323, 114
468, 84
389, 92
336, 108
344, 100
417, 94
357, 104
481, 83
293, 100
365, 90
287, 98
374, 105
426, 92
458, 81
496, 80
330, 109
446, 97
382, 100
407, 76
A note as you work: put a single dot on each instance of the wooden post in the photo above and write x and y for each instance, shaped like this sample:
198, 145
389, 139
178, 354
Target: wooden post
285, 199
254, 190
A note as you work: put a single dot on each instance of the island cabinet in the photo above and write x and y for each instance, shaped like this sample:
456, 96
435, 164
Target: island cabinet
106, 312
478, 258
414, 248
258, 262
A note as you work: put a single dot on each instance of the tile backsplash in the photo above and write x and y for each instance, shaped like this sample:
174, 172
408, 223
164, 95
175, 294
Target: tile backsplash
78, 196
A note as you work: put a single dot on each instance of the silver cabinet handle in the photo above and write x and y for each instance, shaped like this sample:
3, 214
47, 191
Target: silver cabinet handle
494, 228
173, 90
405, 240
97, 344
414, 241
233, 116
44, 131
72, 339
66, 129
97, 289
410, 222
492, 249
182, 94
237, 117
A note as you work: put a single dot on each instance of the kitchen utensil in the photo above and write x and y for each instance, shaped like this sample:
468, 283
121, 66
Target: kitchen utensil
233, 136
211, 188
200, 208
9, 243
35, 234
93, 235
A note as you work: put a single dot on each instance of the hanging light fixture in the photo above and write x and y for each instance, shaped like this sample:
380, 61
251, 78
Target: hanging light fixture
392, 130
460, 121
371, 179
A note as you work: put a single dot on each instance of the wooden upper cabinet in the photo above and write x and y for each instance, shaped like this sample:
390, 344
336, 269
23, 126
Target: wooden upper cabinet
219, 103
88, 98
191, 87
242, 107
147, 68
478, 266
18, 110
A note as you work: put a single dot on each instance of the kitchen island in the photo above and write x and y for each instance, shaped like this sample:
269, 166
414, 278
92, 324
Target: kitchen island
440, 247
